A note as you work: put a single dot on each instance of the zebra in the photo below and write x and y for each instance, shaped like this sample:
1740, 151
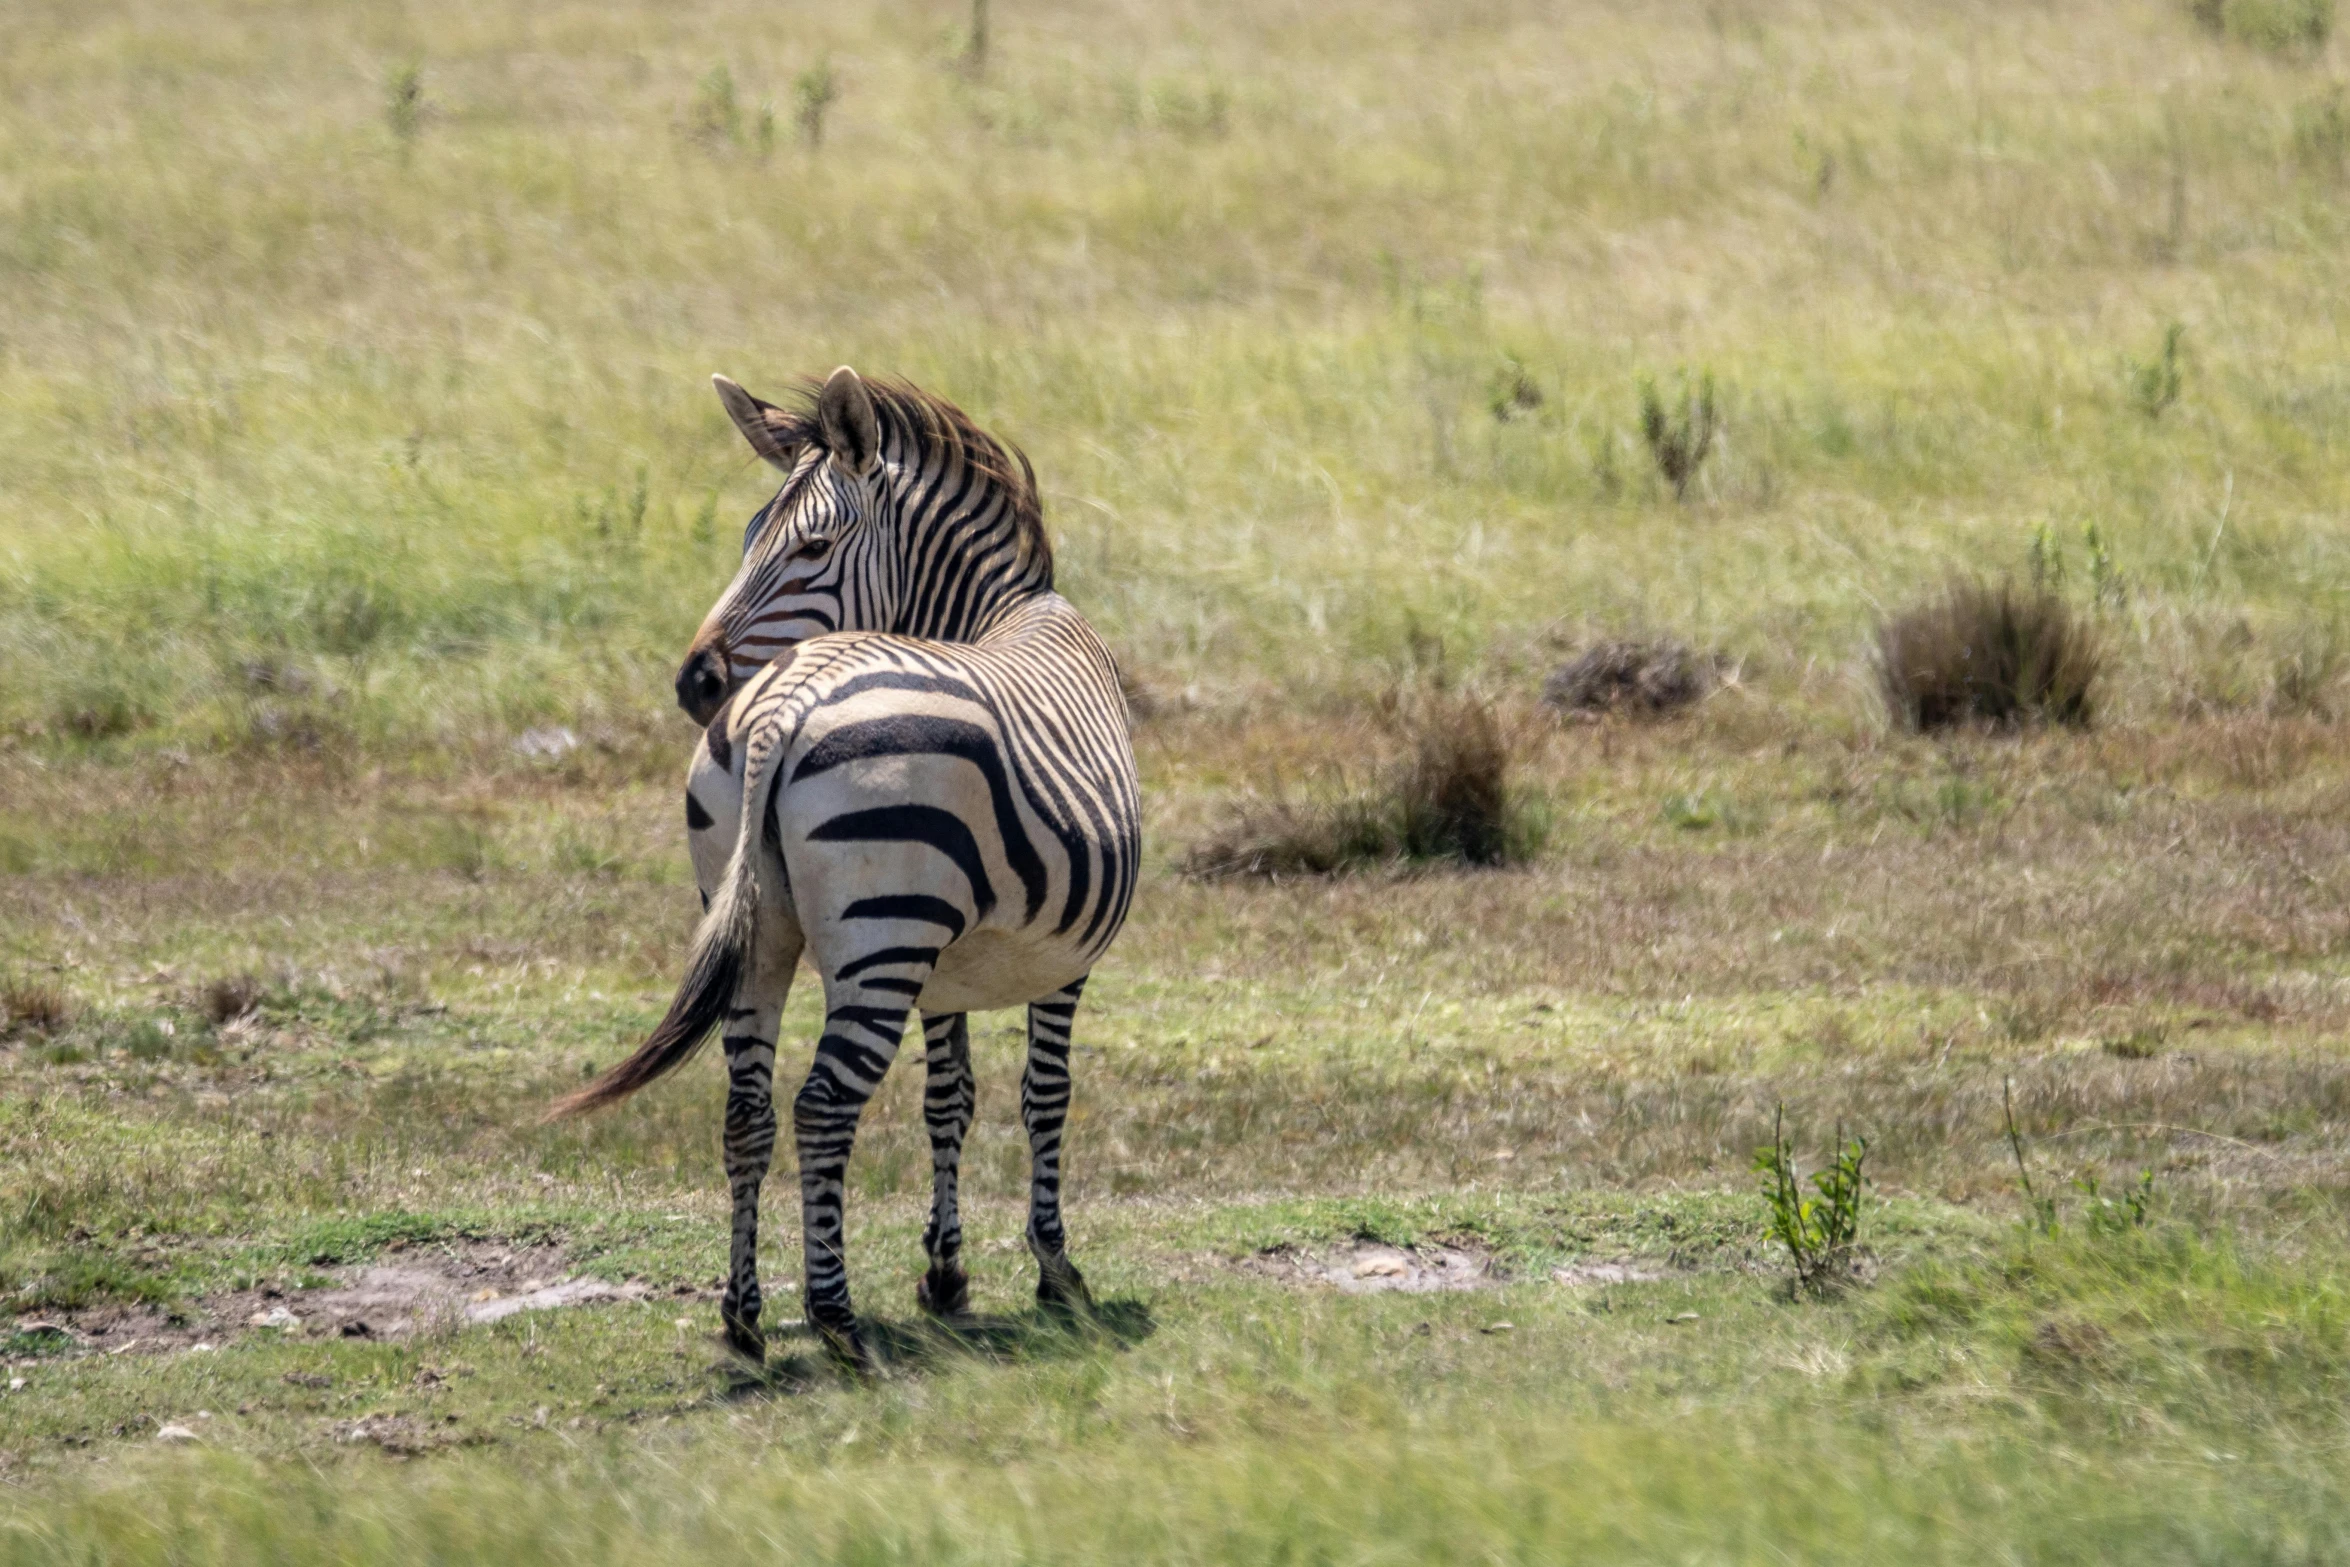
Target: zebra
915, 769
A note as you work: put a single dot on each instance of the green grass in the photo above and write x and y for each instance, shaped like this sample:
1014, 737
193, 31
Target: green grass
1563, 1064
326, 421
2152, 1394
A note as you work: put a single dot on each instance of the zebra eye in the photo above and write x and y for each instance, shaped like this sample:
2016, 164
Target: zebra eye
812, 550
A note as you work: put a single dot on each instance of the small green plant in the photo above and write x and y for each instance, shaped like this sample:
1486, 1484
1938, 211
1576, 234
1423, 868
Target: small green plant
1959, 801
1689, 812
715, 115
1819, 1232
1678, 437
2106, 581
1705, 809
404, 101
1512, 393
149, 1039
2039, 1211
2154, 384
815, 91
2108, 1216
2046, 556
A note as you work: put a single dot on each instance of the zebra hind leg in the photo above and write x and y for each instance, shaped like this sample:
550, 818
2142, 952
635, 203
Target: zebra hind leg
863, 1021
1044, 1109
947, 1102
751, 1027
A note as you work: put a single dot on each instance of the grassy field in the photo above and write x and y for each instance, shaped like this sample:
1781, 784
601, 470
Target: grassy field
354, 424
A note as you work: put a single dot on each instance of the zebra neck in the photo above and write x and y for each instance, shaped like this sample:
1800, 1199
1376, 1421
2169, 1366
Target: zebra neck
973, 603
998, 619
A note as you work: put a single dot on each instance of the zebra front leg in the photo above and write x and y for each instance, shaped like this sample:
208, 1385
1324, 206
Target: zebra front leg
947, 1102
1044, 1109
863, 1023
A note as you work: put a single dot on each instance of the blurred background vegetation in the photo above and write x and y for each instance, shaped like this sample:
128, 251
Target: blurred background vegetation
353, 358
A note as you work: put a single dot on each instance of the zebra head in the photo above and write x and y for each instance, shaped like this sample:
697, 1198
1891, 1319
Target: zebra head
896, 514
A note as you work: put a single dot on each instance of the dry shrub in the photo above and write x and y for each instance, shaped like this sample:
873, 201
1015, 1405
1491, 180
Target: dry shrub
32, 1007
1998, 655
1642, 679
1447, 797
226, 1000
2307, 676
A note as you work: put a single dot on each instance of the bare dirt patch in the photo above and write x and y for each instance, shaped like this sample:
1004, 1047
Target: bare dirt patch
1587, 1274
419, 1291
1373, 1267
440, 1287
1370, 1267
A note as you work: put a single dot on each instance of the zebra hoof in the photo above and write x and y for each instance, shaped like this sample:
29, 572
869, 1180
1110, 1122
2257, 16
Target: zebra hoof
944, 1292
743, 1336
1060, 1289
844, 1345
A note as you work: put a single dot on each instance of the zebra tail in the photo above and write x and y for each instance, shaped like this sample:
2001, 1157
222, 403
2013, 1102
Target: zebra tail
721, 955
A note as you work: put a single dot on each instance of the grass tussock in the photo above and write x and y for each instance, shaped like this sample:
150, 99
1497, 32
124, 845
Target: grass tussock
230, 997
29, 1007
1635, 678
2297, 28
1449, 796
1989, 654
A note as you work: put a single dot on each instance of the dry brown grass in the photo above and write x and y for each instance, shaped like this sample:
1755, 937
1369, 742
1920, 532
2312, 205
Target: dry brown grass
233, 996
32, 1007
1904, 923
1990, 654
1645, 679
1449, 795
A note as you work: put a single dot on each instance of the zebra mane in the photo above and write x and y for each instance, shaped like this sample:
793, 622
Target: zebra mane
935, 427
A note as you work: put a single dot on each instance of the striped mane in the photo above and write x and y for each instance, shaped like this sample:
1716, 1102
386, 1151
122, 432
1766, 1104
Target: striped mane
933, 430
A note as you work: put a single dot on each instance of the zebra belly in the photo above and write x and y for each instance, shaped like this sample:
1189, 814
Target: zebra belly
989, 969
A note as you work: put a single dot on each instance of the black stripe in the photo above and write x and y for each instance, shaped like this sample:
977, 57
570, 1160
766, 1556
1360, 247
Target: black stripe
918, 735
714, 736
908, 906
884, 957
924, 824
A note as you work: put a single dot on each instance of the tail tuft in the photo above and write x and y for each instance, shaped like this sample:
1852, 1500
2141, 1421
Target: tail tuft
714, 971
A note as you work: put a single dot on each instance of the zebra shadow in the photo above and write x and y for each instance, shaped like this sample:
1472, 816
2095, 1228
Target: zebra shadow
919, 1344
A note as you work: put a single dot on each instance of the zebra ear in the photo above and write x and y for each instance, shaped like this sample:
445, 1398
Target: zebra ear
774, 434
844, 414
